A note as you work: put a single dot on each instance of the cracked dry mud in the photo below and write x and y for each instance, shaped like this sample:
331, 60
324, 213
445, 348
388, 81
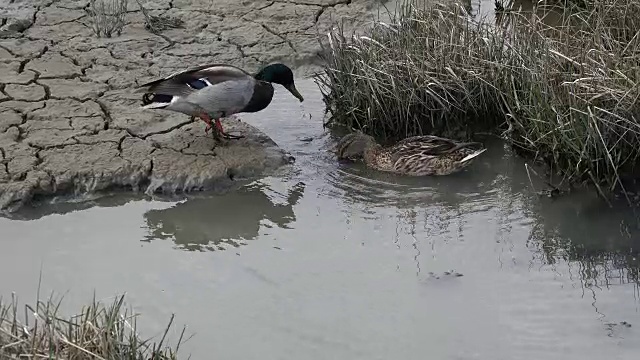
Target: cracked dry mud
69, 119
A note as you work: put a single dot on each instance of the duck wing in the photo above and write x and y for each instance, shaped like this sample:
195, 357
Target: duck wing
224, 98
429, 145
423, 144
186, 82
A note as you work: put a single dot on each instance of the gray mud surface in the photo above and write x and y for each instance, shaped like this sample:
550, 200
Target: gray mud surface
70, 121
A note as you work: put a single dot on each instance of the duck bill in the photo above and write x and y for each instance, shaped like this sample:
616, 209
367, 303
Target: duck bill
292, 89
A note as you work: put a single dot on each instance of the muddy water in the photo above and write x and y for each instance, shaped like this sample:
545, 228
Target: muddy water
333, 261
548, 11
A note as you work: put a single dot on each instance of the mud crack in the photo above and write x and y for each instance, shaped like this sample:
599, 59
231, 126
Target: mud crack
113, 147
240, 50
273, 32
4, 161
159, 132
106, 114
24, 62
323, 8
269, 4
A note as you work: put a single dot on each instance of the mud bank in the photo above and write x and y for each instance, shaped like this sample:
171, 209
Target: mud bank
70, 122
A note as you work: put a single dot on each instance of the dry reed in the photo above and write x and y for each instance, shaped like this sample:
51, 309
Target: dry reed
107, 16
566, 94
99, 331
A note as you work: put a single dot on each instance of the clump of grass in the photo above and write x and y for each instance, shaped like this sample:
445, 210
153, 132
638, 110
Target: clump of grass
407, 77
566, 94
98, 331
107, 16
158, 23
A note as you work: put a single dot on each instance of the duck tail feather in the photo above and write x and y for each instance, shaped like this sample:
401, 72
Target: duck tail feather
156, 101
472, 155
155, 105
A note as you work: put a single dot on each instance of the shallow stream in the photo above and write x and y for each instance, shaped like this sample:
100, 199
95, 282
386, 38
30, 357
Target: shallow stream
333, 261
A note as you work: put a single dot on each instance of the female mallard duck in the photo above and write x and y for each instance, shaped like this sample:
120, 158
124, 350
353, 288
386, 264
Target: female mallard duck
415, 156
215, 91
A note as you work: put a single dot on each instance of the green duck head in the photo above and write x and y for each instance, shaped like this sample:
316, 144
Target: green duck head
279, 74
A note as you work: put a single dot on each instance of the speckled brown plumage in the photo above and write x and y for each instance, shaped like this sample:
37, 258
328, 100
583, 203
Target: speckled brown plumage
415, 156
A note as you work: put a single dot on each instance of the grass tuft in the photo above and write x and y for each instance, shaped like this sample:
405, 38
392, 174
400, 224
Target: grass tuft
107, 16
566, 94
98, 331
158, 23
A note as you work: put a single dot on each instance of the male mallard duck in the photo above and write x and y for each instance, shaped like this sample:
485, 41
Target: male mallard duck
215, 91
415, 156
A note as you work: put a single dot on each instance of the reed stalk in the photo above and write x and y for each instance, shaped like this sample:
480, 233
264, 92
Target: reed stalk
566, 93
98, 331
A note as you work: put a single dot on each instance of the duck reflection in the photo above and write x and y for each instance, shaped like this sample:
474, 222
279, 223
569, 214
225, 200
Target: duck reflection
206, 224
358, 184
577, 228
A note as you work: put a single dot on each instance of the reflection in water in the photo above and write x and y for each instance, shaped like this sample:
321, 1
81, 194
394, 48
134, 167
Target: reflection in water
604, 246
533, 267
60, 205
354, 182
600, 246
549, 12
205, 224
432, 211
